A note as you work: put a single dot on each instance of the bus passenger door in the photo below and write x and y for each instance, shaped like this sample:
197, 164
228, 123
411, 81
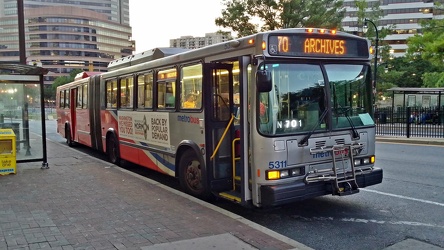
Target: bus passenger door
220, 126
73, 109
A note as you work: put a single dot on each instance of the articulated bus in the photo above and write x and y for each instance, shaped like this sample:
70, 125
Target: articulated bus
265, 120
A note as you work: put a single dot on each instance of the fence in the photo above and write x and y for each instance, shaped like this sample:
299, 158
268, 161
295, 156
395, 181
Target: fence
410, 121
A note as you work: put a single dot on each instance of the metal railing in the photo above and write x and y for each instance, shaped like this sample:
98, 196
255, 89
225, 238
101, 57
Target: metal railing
410, 121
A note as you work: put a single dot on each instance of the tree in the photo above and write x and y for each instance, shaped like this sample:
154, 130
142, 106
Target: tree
433, 80
374, 13
50, 93
430, 44
403, 72
274, 14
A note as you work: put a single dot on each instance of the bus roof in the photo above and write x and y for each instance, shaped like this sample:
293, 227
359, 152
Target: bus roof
143, 57
167, 56
85, 74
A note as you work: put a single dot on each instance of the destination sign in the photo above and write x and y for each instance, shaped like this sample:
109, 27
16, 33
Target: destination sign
307, 45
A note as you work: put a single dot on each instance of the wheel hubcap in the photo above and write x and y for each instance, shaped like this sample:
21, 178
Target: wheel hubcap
194, 175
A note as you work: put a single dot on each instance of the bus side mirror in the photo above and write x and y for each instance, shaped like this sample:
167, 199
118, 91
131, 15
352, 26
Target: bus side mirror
263, 81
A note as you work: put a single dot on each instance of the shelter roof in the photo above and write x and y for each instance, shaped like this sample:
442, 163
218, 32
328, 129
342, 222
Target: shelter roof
21, 69
417, 90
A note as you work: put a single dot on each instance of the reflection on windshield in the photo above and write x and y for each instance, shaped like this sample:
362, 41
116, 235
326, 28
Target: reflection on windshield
297, 102
350, 99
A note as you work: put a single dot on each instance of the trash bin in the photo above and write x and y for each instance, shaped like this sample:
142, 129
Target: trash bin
8, 161
383, 118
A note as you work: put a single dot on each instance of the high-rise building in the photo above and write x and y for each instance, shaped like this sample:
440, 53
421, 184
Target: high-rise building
190, 42
63, 35
404, 15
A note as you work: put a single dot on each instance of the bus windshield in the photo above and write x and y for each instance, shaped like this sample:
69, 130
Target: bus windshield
299, 101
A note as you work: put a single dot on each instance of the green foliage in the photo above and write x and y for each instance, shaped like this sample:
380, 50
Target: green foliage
244, 16
61, 80
403, 72
430, 45
433, 79
300, 13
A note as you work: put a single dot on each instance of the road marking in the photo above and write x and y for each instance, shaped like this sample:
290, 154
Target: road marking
367, 221
404, 197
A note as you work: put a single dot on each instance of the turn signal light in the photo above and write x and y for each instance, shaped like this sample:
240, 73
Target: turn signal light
273, 175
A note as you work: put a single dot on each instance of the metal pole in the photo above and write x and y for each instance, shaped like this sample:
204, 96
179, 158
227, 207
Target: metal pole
21, 28
43, 117
376, 55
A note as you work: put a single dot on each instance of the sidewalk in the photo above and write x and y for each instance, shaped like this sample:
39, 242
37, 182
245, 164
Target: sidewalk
81, 202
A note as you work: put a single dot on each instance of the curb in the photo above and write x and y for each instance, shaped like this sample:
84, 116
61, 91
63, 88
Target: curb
414, 140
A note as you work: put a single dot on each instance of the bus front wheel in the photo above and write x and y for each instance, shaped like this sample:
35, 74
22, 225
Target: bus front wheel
112, 150
191, 175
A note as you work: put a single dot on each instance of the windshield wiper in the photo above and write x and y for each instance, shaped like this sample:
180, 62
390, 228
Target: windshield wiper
354, 131
304, 140
344, 112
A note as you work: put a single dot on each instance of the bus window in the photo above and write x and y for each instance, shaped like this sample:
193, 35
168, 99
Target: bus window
166, 89
126, 92
221, 97
62, 99
85, 96
111, 93
145, 91
170, 98
67, 98
79, 97
191, 87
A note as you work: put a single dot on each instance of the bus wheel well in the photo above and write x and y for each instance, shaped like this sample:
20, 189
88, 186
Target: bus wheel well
179, 154
192, 173
112, 148
68, 135
180, 151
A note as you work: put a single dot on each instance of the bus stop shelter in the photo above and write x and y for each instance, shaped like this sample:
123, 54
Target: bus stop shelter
417, 97
22, 109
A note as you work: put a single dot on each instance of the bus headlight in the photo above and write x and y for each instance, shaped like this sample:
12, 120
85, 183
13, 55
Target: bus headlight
284, 173
296, 171
364, 161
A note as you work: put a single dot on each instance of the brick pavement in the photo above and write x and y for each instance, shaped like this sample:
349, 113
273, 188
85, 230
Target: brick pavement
81, 202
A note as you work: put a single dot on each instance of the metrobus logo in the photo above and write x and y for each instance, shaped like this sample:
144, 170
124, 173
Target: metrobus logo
188, 119
343, 152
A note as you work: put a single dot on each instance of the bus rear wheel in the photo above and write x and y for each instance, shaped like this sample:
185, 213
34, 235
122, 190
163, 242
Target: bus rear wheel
112, 150
69, 140
192, 175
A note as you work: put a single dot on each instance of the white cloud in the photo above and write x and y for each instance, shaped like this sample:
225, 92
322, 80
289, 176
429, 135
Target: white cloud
155, 22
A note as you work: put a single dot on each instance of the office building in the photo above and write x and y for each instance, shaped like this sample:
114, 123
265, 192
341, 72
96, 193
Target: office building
63, 35
404, 15
190, 42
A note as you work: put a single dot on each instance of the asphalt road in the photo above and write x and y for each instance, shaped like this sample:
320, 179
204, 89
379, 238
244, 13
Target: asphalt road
409, 204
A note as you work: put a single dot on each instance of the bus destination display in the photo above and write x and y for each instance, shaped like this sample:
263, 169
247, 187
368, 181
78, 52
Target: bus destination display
303, 45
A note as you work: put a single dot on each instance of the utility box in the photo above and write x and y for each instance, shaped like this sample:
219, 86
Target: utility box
8, 161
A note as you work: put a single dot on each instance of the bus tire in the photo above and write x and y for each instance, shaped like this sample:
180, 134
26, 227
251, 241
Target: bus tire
112, 150
192, 175
69, 140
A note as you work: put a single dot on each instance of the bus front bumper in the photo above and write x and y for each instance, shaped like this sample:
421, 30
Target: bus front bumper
274, 195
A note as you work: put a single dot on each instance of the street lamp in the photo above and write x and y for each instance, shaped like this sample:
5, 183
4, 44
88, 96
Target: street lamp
365, 29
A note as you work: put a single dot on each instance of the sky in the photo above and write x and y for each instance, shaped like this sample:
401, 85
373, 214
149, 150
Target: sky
155, 22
